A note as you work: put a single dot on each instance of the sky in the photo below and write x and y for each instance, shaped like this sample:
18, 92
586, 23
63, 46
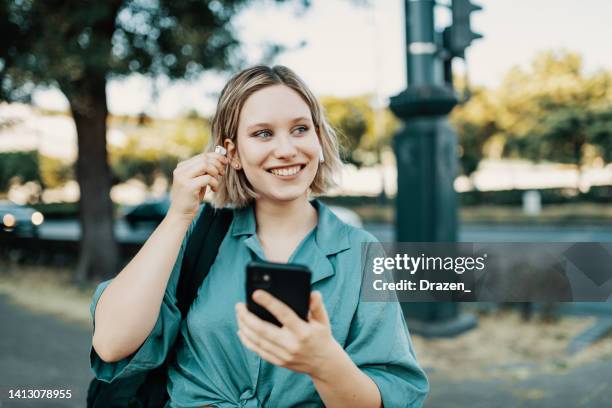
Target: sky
351, 49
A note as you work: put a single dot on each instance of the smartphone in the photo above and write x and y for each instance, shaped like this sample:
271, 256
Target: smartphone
290, 283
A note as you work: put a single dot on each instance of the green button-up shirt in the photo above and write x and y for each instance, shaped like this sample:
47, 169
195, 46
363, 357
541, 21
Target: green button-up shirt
214, 368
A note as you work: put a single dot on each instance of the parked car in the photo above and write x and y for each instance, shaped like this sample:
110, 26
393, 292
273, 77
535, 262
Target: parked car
20, 220
151, 212
147, 214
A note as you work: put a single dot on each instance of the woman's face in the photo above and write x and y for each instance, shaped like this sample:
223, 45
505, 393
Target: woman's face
278, 147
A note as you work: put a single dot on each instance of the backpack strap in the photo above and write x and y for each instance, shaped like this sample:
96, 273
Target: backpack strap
200, 253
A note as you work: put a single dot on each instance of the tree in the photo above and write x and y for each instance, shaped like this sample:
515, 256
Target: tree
354, 120
77, 46
21, 165
545, 111
153, 149
599, 132
348, 116
551, 111
54, 172
475, 123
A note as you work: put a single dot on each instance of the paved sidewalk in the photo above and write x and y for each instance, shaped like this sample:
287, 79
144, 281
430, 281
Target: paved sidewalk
42, 352
39, 351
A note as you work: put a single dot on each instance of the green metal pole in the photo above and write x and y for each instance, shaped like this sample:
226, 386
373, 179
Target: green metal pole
426, 153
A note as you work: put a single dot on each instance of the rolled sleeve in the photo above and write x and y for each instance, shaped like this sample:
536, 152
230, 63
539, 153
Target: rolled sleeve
150, 354
156, 346
379, 344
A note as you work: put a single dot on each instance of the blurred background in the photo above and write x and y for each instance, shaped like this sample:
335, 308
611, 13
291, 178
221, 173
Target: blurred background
457, 124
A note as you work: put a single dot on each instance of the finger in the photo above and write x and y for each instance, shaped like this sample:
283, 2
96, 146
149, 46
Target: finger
263, 354
199, 184
317, 308
197, 157
260, 326
202, 181
280, 310
183, 168
199, 168
217, 160
220, 156
265, 344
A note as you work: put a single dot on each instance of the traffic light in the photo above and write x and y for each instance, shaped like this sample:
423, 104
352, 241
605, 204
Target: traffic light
460, 33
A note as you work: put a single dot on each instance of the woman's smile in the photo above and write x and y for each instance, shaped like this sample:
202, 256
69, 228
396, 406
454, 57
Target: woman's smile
287, 172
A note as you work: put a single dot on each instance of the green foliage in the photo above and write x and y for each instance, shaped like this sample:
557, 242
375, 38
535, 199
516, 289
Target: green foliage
74, 44
599, 132
356, 121
49, 172
475, 122
23, 165
552, 111
154, 150
55, 172
349, 118
546, 112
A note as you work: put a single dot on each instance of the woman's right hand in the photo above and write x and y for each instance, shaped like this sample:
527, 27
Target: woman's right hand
190, 179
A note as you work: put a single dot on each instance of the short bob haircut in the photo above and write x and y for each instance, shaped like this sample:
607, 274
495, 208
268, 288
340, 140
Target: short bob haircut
234, 189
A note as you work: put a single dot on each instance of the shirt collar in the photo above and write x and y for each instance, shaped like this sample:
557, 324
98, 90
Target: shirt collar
330, 234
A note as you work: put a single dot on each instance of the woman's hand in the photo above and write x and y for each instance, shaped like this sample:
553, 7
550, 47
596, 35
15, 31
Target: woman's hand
190, 179
300, 346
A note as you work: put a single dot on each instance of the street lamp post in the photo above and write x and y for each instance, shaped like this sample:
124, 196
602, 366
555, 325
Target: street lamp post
426, 153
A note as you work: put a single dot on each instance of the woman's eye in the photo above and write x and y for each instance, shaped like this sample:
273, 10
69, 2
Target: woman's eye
263, 134
301, 129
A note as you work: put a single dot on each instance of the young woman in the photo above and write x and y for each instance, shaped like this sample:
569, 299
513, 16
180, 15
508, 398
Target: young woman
280, 149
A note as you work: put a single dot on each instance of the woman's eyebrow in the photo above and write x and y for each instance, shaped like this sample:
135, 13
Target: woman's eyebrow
256, 125
264, 124
300, 119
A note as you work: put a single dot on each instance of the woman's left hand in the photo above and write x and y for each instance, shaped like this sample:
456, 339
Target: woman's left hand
298, 345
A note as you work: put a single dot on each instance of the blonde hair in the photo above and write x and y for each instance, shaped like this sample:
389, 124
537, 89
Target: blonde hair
234, 188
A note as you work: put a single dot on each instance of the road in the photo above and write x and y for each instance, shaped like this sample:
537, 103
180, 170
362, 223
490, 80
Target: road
513, 233
70, 230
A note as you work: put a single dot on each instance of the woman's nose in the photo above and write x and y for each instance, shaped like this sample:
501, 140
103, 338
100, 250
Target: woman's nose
285, 146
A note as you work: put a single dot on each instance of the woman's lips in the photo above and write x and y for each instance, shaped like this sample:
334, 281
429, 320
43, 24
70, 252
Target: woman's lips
287, 172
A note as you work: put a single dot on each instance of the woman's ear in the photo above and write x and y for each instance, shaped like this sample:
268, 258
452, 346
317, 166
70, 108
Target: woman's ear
232, 153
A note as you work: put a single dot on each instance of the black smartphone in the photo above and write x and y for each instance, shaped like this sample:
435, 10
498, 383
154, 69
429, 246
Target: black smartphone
290, 283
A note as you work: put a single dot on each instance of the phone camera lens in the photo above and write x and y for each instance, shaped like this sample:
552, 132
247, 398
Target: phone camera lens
266, 278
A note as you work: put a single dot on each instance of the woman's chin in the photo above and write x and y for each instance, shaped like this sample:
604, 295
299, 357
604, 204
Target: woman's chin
285, 194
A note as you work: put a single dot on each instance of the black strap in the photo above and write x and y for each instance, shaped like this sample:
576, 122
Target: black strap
202, 248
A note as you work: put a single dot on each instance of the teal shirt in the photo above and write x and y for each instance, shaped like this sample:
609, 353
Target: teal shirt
214, 368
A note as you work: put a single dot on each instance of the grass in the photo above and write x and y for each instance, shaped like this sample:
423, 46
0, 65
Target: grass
558, 214
506, 347
47, 290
